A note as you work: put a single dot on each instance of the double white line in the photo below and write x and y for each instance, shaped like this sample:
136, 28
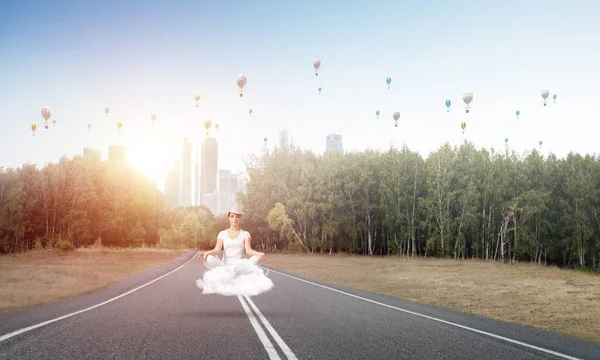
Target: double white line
264, 339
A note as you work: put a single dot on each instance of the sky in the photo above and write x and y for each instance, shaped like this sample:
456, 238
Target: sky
142, 58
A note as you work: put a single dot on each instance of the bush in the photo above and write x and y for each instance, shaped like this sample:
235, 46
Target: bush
296, 247
64, 245
38, 244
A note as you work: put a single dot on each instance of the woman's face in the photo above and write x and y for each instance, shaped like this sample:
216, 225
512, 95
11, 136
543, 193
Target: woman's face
234, 219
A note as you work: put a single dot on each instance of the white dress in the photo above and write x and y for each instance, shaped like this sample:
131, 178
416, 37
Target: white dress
234, 275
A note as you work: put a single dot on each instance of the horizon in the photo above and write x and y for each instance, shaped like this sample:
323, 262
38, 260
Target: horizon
151, 59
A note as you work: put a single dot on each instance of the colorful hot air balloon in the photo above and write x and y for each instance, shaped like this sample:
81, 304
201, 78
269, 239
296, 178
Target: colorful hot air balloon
518, 113
319, 90
250, 112
153, 118
540, 143
217, 126
316, 65
463, 126
448, 103
554, 97
197, 98
119, 126
506, 140
207, 124
241, 83
89, 126
396, 116
106, 111
377, 113
388, 81
54, 123
33, 128
467, 98
265, 140
545, 94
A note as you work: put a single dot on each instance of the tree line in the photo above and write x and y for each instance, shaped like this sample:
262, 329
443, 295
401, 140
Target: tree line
84, 201
459, 202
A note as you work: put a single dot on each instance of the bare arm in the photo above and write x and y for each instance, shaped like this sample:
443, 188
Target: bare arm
249, 249
216, 250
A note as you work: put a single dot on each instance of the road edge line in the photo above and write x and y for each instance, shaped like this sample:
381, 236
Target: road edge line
33, 327
547, 351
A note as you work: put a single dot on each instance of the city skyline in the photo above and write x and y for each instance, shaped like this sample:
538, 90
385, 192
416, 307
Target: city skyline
208, 185
148, 62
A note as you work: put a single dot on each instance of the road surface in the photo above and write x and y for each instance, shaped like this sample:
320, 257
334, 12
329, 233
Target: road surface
161, 314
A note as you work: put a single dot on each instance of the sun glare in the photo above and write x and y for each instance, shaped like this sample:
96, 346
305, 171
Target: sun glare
148, 157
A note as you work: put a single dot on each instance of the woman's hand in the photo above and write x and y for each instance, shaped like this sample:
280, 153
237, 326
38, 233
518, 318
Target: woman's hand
262, 257
203, 256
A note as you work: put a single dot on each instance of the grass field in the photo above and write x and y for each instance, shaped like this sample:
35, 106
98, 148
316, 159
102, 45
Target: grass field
45, 276
546, 297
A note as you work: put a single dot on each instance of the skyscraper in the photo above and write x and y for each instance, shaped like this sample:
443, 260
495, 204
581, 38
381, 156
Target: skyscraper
284, 139
197, 179
91, 152
172, 187
208, 168
334, 143
185, 197
223, 199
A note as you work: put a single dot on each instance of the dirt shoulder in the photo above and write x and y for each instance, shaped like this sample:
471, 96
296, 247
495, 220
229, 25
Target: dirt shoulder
43, 276
564, 301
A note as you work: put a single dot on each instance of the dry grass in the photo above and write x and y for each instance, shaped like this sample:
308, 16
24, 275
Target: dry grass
44, 276
545, 297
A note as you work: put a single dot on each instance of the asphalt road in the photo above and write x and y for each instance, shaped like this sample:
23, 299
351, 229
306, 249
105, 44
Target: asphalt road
300, 318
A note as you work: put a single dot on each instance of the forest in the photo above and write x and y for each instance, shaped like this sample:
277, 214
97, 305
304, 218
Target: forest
459, 202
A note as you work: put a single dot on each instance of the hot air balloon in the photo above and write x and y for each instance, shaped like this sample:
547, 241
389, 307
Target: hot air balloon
197, 98
241, 82
54, 123
396, 116
119, 126
554, 98
463, 125
377, 113
545, 94
316, 65
250, 112
153, 118
106, 111
217, 126
265, 140
388, 80
46, 114
89, 126
518, 113
448, 103
319, 90
33, 128
506, 140
540, 143
207, 124
467, 98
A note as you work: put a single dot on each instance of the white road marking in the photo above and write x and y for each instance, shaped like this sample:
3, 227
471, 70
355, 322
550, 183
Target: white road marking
264, 339
548, 351
32, 327
286, 350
